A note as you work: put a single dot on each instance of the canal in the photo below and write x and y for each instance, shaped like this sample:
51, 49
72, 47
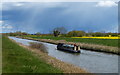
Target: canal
95, 62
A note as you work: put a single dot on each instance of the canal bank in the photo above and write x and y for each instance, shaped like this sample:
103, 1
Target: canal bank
65, 67
18, 60
95, 62
92, 47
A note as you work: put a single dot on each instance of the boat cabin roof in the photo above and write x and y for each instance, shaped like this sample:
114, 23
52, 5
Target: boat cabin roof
66, 45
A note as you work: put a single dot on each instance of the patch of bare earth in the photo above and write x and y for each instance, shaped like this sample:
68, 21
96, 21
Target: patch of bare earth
65, 67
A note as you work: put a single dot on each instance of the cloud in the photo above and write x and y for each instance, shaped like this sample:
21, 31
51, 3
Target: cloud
1, 22
73, 16
18, 4
106, 4
7, 27
11, 5
54, 0
3, 25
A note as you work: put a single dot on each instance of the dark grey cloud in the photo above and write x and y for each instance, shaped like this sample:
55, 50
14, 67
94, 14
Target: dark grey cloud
42, 17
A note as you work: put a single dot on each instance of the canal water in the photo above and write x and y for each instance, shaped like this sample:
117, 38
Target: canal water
95, 62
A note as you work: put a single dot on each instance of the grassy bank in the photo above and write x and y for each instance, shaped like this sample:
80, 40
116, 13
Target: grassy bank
105, 42
16, 59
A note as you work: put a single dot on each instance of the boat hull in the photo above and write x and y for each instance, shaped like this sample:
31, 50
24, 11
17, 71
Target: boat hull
60, 47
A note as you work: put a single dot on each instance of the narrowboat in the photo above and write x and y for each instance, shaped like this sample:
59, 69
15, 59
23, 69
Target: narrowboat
68, 48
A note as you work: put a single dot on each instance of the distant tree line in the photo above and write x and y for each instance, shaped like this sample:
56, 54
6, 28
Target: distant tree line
62, 32
93, 34
17, 33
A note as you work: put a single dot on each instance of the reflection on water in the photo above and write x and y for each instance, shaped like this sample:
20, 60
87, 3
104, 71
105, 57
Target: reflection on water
95, 62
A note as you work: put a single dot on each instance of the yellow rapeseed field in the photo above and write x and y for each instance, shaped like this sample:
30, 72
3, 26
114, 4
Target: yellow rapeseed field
99, 37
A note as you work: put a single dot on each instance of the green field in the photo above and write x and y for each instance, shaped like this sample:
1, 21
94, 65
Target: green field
105, 42
17, 59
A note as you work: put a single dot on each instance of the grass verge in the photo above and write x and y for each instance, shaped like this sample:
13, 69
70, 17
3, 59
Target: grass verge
16, 59
105, 42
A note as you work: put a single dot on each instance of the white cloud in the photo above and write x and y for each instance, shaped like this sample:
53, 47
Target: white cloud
22, 5
11, 5
106, 4
18, 4
54, 0
3, 25
1, 22
6, 27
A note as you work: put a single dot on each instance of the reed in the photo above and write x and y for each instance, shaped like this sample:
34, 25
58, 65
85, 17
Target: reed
39, 46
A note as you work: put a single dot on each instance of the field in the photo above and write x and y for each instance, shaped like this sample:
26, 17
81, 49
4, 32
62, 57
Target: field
105, 42
99, 37
17, 59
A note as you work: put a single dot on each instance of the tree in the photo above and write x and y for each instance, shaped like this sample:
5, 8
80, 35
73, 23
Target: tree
56, 33
62, 30
103, 33
38, 33
76, 33
18, 33
24, 33
59, 30
72, 33
90, 33
98, 34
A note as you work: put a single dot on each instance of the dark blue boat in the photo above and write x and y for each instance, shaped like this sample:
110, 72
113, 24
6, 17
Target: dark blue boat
68, 48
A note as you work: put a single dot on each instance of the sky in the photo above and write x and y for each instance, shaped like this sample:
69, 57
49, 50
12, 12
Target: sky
32, 17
